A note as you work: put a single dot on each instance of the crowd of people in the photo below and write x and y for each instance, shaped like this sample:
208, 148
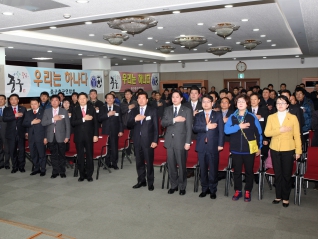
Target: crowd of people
254, 121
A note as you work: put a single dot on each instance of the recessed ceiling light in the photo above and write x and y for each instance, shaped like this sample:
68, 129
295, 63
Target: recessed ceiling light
8, 13
263, 35
140, 44
255, 30
49, 51
10, 47
210, 44
200, 24
82, 1
42, 58
182, 35
104, 56
167, 42
88, 23
149, 38
264, 57
172, 51
116, 64
179, 61
228, 6
154, 62
195, 49
229, 38
273, 44
91, 35
124, 31
141, 61
244, 20
234, 58
205, 60
238, 42
182, 46
296, 56
53, 27
159, 28
269, 40
176, 12
80, 54
124, 59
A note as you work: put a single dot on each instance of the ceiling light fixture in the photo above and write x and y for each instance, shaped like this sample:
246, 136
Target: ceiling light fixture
255, 30
133, 25
124, 59
210, 44
159, 28
200, 24
224, 29
42, 58
140, 44
269, 40
179, 61
82, 1
229, 38
104, 56
250, 44
116, 64
171, 51
263, 35
53, 27
80, 54
49, 51
219, 50
149, 38
141, 61
264, 57
244, 20
166, 49
238, 42
10, 47
154, 62
7, 13
190, 41
88, 23
167, 42
205, 60
176, 12
91, 35
296, 56
234, 58
116, 38
228, 6
273, 44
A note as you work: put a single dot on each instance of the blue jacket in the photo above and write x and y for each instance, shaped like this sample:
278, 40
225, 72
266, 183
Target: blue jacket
238, 143
308, 107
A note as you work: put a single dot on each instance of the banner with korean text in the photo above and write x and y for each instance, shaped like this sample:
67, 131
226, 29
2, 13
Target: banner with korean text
31, 81
120, 81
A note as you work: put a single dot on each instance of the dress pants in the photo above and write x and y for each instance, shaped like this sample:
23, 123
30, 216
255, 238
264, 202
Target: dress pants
17, 159
144, 154
209, 164
57, 156
4, 151
283, 163
113, 145
87, 144
38, 156
177, 157
237, 162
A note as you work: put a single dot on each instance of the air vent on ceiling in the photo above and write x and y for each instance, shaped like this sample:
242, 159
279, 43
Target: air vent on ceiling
33, 5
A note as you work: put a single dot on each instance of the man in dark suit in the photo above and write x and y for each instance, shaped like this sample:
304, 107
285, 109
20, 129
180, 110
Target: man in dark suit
210, 140
94, 101
159, 104
4, 148
35, 133
267, 102
14, 116
58, 131
112, 125
144, 120
178, 120
85, 123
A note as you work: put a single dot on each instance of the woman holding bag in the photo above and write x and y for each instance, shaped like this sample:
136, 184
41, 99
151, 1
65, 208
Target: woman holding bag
285, 147
245, 142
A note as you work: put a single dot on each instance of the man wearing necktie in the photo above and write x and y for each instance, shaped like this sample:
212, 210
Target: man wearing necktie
15, 132
144, 120
58, 131
35, 133
178, 120
210, 140
85, 123
4, 148
112, 125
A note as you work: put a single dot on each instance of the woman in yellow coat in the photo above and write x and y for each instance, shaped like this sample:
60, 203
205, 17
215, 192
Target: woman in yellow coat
285, 147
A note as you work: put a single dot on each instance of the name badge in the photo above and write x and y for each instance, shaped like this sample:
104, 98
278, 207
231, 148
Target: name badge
261, 119
116, 114
148, 118
62, 116
200, 111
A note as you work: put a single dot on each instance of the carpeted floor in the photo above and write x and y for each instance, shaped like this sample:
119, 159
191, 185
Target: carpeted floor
110, 208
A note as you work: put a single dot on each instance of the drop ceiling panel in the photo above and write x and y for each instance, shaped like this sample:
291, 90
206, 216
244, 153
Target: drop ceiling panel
33, 5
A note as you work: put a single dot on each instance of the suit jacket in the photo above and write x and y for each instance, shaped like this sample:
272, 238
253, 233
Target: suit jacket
199, 108
87, 129
283, 141
14, 126
215, 136
36, 132
3, 126
181, 130
227, 115
62, 127
160, 109
146, 132
262, 111
111, 125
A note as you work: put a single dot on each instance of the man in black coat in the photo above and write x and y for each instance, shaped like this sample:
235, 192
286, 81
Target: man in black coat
14, 116
85, 123
112, 125
4, 148
159, 104
144, 120
35, 133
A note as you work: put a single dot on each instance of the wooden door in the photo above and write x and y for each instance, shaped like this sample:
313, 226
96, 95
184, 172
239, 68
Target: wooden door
232, 84
245, 83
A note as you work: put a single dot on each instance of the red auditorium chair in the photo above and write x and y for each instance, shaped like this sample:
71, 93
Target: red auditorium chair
123, 144
100, 152
160, 159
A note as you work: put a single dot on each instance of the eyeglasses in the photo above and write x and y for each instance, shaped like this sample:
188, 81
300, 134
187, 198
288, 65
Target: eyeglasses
241, 102
281, 103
